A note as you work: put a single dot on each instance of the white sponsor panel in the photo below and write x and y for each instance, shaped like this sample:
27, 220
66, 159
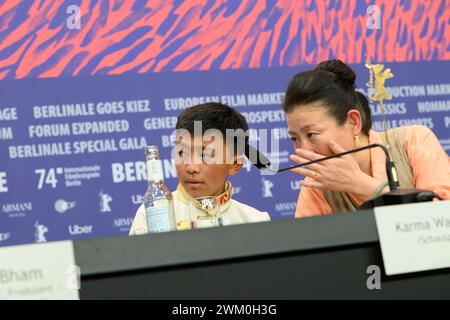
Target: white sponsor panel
47, 273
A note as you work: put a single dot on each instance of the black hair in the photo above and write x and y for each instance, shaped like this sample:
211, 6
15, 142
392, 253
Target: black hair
217, 116
364, 104
332, 83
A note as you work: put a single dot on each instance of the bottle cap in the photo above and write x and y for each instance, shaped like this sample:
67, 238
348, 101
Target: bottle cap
151, 152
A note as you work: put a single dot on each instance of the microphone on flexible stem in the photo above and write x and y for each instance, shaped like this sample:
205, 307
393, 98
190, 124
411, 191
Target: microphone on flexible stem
394, 196
258, 159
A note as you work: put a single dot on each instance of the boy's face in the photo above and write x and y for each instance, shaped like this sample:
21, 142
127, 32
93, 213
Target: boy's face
203, 168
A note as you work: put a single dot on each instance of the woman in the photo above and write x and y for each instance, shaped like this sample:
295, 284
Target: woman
326, 116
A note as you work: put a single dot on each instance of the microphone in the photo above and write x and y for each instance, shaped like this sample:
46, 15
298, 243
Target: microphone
262, 162
258, 159
394, 196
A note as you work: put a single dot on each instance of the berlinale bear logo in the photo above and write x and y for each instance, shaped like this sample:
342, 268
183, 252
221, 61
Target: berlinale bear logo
267, 186
39, 233
105, 199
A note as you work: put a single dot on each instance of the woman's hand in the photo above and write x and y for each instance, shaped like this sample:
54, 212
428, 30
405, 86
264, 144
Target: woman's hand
341, 174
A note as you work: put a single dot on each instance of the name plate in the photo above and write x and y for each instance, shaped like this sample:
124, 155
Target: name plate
39, 271
414, 237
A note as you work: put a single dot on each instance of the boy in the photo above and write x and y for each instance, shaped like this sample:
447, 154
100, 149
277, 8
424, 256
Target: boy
203, 171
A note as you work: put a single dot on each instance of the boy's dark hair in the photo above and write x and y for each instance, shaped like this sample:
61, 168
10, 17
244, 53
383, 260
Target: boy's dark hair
332, 83
214, 115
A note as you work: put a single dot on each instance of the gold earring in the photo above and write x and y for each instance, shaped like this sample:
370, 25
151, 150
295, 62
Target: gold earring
357, 143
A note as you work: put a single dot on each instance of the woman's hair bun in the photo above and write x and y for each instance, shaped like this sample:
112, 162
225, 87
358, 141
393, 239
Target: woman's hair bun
340, 69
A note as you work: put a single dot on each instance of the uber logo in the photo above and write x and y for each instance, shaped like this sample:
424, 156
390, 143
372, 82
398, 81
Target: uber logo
3, 181
76, 229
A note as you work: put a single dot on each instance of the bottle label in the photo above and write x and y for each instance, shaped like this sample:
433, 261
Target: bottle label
154, 170
159, 216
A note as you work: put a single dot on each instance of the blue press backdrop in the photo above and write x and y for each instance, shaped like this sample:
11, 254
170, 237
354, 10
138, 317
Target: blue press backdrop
82, 191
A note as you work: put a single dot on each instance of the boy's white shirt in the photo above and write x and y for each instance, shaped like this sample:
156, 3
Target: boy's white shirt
233, 212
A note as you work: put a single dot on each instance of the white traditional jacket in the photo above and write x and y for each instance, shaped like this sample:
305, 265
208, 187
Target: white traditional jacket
232, 211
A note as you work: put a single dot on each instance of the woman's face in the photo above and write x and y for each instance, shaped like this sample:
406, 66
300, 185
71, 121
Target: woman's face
312, 128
